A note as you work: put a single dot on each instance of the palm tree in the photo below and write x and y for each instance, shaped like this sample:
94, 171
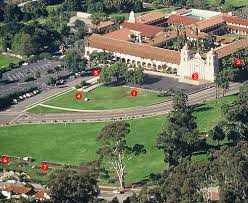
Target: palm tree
196, 30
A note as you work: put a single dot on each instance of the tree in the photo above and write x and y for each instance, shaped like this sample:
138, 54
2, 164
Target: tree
23, 44
12, 13
114, 74
236, 117
135, 75
179, 137
73, 62
115, 149
118, 19
71, 186
73, 5
95, 20
217, 134
223, 79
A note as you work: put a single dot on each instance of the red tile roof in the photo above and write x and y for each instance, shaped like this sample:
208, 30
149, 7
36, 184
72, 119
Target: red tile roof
163, 37
18, 189
134, 49
224, 40
231, 48
180, 11
40, 195
203, 24
146, 30
104, 24
235, 20
150, 17
121, 34
176, 19
237, 28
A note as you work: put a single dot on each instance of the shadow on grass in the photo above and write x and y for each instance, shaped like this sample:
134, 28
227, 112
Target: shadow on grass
201, 108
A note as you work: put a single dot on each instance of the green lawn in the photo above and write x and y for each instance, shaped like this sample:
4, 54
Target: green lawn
73, 143
126, 14
53, 7
234, 3
5, 60
102, 98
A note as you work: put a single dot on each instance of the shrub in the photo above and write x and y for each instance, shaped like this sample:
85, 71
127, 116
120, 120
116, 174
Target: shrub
77, 86
83, 83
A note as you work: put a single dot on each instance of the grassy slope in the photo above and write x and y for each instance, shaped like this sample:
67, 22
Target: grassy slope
73, 143
5, 60
103, 98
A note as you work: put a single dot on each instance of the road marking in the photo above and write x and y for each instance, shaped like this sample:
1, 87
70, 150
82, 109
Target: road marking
10, 78
49, 65
21, 74
14, 77
32, 71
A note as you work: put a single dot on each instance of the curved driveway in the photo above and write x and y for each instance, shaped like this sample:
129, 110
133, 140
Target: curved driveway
106, 115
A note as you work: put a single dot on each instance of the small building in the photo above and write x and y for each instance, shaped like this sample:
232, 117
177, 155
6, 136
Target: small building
42, 195
17, 190
102, 27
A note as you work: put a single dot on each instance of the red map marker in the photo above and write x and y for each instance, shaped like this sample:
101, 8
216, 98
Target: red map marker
44, 167
78, 96
195, 76
238, 62
5, 159
134, 93
95, 72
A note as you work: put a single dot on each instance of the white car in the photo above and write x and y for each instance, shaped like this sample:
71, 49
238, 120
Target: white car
25, 64
28, 95
20, 97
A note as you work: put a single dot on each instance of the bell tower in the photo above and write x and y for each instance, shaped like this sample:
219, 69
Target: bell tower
132, 17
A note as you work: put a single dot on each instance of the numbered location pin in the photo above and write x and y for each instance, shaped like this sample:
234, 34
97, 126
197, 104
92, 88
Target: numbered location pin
44, 167
78, 96
238, 62
95, 72
195, 76
134, 93
5, 159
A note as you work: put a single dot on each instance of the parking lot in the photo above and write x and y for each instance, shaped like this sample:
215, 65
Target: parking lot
158, 83
30, 70
14, 80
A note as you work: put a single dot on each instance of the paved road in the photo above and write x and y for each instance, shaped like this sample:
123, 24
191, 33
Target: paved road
104, 115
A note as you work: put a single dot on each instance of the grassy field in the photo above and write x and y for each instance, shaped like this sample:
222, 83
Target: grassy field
73, 143
164, 10
234, 3
53, 7
5, 60
103, 98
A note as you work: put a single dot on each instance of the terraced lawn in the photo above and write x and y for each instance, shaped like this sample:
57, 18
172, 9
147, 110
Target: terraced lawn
102, 98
